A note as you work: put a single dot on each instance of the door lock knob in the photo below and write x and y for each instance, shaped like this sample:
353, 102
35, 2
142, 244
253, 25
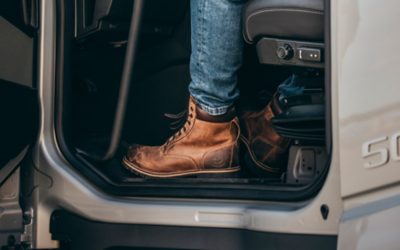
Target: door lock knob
285, 52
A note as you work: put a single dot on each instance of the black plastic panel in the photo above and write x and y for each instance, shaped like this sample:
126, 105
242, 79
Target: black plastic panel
109, 19
75, 232
19, 119
302, 54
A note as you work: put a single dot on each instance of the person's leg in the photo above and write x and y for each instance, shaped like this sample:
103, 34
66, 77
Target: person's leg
265, 147
290, 87
208, 142
217, 49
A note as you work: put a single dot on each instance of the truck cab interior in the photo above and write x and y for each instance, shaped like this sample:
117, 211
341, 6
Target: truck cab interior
98, 118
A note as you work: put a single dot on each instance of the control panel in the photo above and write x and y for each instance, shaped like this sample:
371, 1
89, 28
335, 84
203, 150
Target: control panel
288, 52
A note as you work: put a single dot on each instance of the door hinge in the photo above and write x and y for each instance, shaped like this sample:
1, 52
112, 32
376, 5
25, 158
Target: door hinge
26, 236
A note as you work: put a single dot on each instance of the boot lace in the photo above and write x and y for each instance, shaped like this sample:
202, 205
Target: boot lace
180, 118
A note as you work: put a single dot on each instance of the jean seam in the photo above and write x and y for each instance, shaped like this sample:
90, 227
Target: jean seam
203, 31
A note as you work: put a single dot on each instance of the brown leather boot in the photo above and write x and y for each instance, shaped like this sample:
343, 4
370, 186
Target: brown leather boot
205, 145
264, 146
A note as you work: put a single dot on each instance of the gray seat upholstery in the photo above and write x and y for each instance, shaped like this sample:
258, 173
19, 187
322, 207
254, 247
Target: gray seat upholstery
285, 19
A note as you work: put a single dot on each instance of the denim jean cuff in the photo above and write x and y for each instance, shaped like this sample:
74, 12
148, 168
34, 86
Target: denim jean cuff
214, 111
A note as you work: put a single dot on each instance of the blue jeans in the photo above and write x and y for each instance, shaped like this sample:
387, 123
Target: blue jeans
217, 52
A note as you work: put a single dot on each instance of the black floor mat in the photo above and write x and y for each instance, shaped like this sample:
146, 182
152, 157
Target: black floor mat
114, 170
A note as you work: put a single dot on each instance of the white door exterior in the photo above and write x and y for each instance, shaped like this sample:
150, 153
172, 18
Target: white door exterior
366, 86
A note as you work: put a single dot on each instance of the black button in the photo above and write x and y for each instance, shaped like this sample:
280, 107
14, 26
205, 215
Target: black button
285, 52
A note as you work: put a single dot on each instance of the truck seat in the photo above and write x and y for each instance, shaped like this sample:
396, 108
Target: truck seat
286, 31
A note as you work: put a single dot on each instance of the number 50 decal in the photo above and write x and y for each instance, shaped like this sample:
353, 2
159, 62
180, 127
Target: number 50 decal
382, 154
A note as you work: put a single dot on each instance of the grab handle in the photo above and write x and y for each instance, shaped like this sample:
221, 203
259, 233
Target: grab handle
127, 73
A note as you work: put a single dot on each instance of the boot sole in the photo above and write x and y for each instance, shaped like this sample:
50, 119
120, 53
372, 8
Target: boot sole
204, 173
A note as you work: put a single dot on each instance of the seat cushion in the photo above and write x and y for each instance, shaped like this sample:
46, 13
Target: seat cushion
287, 19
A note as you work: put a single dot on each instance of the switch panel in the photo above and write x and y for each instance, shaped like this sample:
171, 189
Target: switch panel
309, 54
291, 53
